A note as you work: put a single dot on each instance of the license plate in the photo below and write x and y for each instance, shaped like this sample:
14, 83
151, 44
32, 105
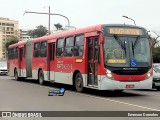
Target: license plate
157, 84
129, 86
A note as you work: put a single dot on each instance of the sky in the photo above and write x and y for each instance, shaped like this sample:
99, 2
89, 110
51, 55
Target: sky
82, 13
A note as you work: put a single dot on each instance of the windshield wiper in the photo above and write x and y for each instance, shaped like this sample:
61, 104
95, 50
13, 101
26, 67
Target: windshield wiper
134, 44
133, 48
123, 45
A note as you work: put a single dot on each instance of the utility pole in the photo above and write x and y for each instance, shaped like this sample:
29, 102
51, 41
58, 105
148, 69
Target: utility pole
49, 21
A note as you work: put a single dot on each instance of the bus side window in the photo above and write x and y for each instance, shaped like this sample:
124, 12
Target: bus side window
60, 47
43, 50
11, 53
79, 45
15, 54
36, 49
59, 51
69, 42
75, 51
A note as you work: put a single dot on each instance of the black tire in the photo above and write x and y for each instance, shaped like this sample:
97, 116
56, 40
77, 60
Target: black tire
118, 91
22, 78
16, 75
158, 88
41, 77
79, 83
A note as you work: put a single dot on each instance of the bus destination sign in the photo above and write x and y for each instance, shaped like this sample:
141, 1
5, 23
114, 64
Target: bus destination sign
125, 31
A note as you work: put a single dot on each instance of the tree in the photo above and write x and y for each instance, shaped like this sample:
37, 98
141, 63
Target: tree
38, 32
11, 40
58, 26
154, 40
155, 49
155, 54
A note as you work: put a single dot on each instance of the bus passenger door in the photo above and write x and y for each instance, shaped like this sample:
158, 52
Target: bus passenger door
20, 61
92, 61
51, 63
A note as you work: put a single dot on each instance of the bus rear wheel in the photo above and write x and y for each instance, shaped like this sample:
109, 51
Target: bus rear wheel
41, 77
79, 83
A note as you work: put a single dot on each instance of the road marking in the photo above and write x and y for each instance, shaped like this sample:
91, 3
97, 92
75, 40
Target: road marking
120, 102
142, 93
111, 100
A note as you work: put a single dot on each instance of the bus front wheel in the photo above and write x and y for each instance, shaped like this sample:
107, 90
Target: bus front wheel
158, 88
41, 77
79, 83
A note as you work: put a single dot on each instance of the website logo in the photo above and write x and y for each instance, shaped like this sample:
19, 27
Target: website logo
53, 92
6, 114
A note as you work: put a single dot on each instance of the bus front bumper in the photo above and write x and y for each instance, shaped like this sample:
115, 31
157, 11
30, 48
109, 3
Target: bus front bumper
108, 84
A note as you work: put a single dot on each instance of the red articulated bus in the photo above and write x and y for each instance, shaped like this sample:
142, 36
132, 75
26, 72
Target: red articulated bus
103, 57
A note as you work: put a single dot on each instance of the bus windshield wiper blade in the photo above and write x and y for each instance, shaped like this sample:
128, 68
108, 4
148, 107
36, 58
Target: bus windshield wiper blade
135, 43
123, 46
133, 48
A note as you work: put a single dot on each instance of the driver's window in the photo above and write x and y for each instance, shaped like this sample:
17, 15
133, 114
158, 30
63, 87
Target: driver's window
140, 51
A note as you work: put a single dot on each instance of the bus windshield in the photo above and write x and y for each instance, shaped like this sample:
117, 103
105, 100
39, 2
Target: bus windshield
127, 51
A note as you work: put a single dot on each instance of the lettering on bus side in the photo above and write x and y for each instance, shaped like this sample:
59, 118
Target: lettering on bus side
59, 61
61, 65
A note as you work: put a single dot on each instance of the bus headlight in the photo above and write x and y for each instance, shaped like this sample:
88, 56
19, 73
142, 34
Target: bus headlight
149, 74
109, 74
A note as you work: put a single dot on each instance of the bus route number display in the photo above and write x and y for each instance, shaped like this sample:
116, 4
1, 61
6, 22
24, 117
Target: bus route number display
125, 31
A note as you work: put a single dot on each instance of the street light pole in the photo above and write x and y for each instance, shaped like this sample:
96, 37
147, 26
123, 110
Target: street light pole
49, 17
130, 19
49, 22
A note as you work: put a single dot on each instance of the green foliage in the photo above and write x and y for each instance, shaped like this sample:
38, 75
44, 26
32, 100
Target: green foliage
156, 54
11, 40
155, 50
58, 26
38, 32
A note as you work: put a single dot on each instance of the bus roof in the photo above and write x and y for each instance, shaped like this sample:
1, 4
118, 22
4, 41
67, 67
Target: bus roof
74, 32
20, 43
70, 33
122, 25
82, 30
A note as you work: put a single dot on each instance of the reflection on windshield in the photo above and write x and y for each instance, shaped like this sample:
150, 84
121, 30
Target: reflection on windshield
136, 49
120, 43
141, 49
115, 54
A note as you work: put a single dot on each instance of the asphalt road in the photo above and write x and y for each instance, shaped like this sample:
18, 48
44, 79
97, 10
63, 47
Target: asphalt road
28, 95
